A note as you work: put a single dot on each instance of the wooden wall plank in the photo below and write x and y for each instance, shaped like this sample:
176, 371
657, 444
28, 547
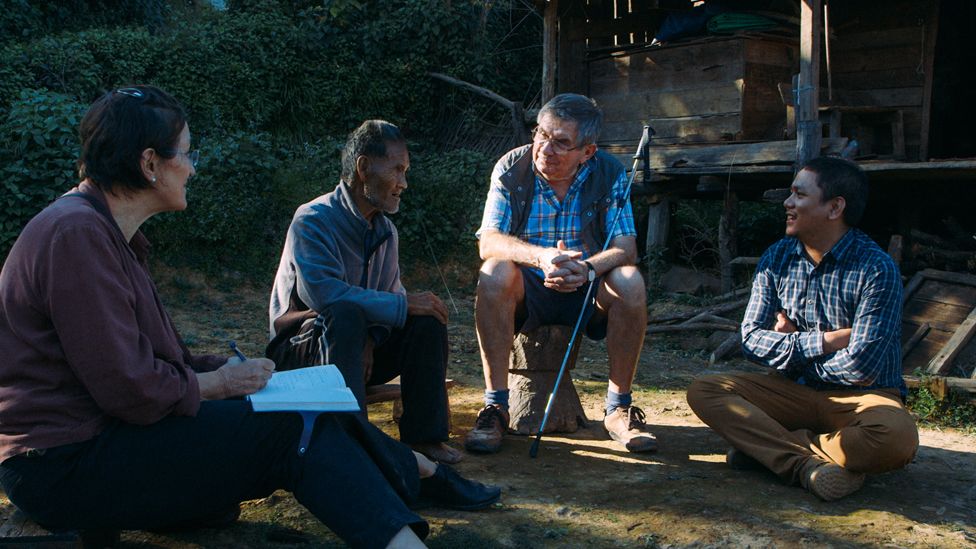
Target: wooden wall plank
943, 292
669, 103
876, 59
871, 79
719, 127
879, 38
919, 311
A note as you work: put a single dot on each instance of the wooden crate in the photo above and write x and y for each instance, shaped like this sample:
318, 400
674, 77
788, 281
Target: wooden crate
711, 90
938, 323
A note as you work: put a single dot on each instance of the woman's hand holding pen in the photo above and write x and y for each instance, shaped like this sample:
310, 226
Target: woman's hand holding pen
239, 376
243, 378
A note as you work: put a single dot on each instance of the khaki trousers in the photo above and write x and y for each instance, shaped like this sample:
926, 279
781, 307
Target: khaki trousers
783, 424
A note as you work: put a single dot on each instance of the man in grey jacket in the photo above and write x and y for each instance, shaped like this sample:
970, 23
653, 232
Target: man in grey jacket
338, 299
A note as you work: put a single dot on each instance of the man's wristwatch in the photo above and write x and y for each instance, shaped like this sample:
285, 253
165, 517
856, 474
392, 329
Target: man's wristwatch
590, 271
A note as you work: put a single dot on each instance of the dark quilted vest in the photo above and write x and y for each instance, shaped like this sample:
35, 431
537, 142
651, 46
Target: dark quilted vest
519, 180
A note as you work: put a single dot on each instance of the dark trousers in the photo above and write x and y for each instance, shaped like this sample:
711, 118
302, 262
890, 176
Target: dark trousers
353, 477
417, 353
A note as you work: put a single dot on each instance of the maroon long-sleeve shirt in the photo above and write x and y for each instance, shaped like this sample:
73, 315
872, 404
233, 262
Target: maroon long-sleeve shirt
83, 335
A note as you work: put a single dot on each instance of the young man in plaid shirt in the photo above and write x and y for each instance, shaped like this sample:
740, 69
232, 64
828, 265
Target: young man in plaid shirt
550, 208
825, 316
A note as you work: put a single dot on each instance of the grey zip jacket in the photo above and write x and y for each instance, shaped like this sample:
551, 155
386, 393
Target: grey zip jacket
331, 254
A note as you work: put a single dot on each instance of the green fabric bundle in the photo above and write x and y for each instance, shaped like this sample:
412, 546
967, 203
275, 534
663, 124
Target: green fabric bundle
730, 22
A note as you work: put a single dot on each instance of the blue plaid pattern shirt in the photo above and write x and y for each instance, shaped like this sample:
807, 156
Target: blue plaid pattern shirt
856, 286
549, 220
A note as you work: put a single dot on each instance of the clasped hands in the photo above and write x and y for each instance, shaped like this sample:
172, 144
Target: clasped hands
563, 269
833, 340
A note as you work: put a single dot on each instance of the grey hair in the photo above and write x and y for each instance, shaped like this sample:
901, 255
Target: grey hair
576, 108
369, 139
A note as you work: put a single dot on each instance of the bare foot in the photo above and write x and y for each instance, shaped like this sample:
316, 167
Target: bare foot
438, 451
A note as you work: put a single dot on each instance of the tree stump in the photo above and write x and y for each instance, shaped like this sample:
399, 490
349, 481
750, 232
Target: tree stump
533, 368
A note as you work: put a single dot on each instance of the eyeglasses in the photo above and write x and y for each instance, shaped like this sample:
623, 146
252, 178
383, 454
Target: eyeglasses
131, 92
559, 146
193, 156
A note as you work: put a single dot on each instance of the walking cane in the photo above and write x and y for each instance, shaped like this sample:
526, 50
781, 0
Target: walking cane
640, 155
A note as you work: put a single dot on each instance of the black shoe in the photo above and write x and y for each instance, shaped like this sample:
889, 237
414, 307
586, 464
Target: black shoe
221, 519
741, 461
447, 489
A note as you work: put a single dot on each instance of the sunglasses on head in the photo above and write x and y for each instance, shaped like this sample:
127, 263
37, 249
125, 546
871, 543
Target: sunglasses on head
131, 92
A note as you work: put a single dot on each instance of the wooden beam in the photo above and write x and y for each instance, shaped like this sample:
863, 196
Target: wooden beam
956, 344
691, 327
730, 344
916, 337
713, 310
928, 66
946, 276
808, 129
912, 287
957, 383
550, 30
519, 115
767, 152
728, 247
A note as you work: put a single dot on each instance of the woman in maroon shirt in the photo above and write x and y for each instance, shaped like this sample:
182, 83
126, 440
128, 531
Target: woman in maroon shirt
108, 422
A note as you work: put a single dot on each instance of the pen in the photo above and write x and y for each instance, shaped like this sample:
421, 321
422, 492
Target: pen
233, 347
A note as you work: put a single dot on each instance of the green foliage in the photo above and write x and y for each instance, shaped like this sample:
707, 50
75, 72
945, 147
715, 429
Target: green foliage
80, 65
271, 88
443, 203
760, 224
955, 410
26, 19
230, 202
38, 151
239, 72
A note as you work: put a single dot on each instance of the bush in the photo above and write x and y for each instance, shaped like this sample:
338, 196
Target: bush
230, 205
443, 204
240, 72
267, 85
38, 157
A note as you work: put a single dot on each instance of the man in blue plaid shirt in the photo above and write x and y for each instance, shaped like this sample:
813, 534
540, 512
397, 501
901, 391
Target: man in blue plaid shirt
825, 315
551, 207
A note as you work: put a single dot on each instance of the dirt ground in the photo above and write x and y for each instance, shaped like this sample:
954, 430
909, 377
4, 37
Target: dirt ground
584, 491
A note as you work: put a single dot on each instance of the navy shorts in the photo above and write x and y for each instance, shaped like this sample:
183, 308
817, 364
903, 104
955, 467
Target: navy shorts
544, 306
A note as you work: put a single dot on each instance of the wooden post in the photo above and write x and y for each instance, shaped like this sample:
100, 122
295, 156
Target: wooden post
895, 247
550, 28
518, 124
931, 31
808, 128
728, 247
658, 225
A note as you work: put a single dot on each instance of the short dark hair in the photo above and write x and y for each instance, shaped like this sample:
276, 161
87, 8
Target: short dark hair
576, 108
119, 126
369, 139
839, 177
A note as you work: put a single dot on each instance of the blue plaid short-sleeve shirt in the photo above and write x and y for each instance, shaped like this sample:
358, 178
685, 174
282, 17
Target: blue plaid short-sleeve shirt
551, 220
